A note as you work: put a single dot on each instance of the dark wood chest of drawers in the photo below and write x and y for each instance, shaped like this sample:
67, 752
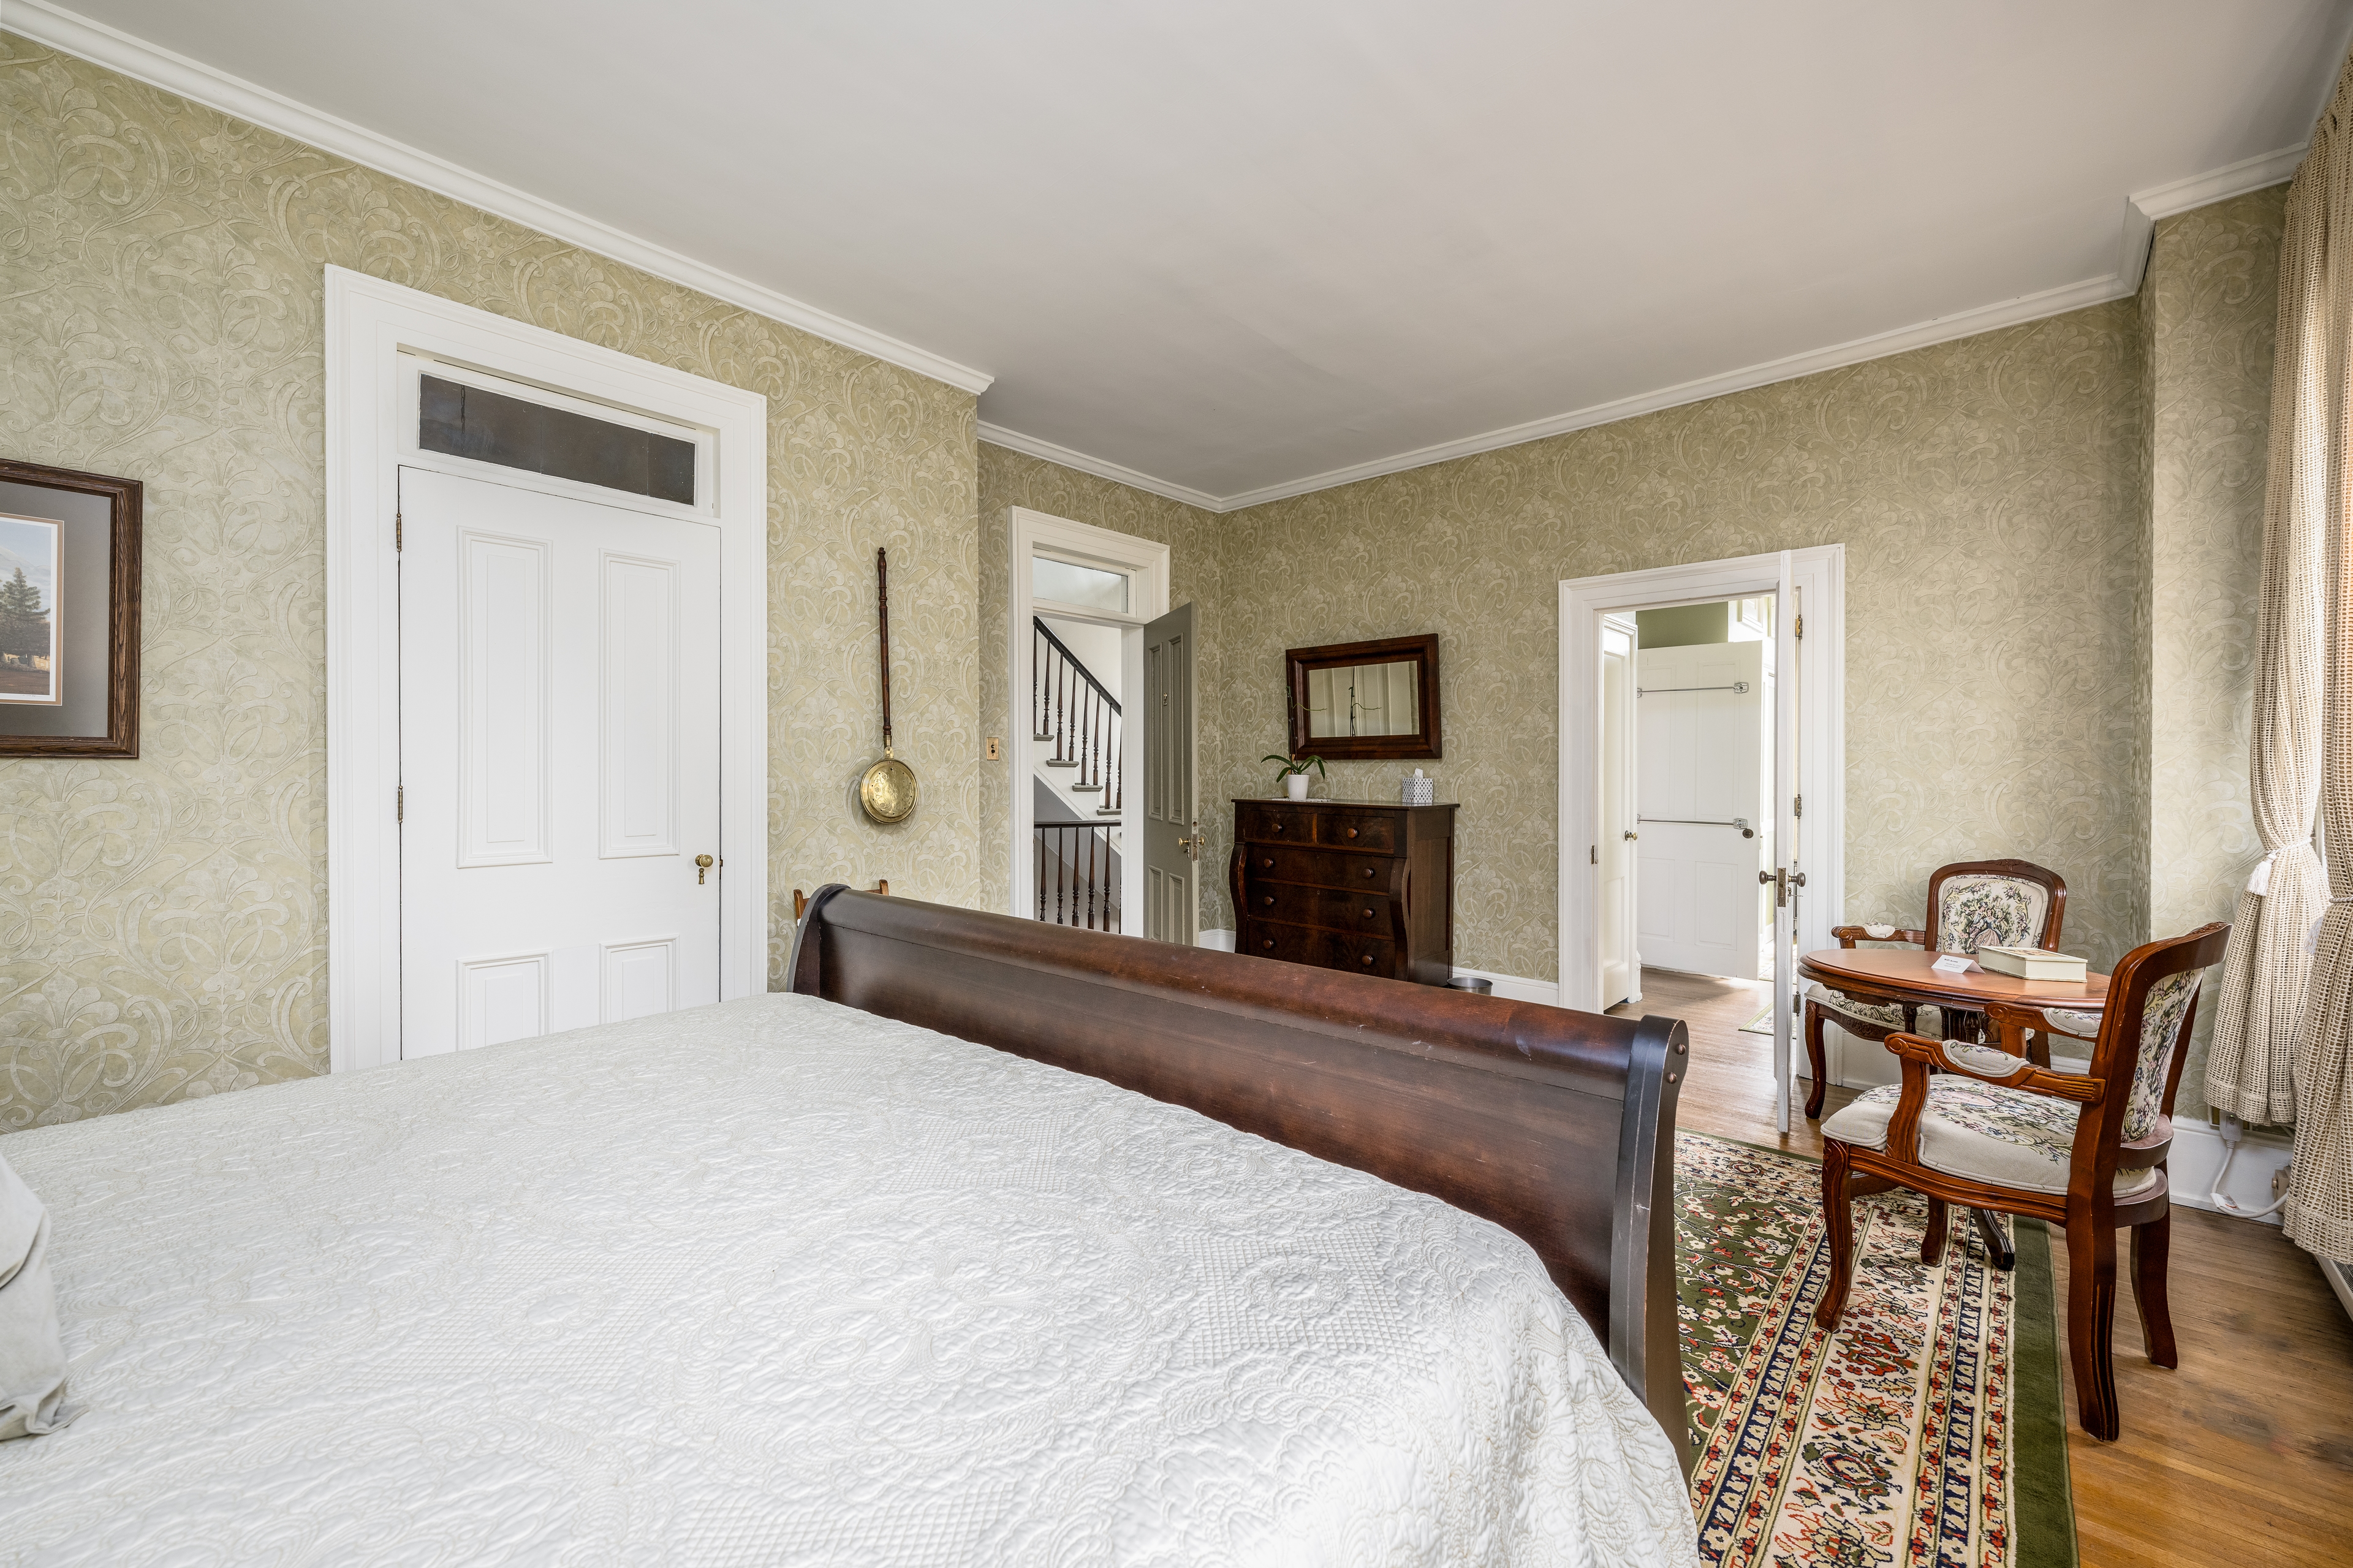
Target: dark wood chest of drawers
1346, 884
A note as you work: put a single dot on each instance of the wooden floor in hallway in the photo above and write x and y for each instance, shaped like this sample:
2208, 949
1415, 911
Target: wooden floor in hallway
2242, 1456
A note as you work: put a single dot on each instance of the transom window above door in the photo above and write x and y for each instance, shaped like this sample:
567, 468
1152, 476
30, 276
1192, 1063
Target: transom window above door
560, 441
1089, 587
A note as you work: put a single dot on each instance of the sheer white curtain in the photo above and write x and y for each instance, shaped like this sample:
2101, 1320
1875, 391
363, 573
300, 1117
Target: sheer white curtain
2250, 1067
2273, 997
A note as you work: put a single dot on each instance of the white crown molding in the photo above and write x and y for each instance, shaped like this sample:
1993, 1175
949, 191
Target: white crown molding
1013, 440
1941, 329
118, 51
2142, 208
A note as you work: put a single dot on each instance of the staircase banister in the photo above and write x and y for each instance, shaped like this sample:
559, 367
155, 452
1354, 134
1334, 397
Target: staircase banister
1075, 661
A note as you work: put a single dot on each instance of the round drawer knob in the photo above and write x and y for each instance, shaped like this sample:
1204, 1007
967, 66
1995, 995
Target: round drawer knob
1266, 865
1277, 827
1368, 913
1369, 873
1268, 899
1267, 942
1351, 833
1366, 959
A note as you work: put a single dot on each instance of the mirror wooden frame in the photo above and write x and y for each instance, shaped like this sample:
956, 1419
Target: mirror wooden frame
1424, 743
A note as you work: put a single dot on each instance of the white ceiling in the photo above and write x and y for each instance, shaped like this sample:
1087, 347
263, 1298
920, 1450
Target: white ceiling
1233, 246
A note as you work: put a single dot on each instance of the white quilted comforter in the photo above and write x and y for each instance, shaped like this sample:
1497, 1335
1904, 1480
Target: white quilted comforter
781, 1282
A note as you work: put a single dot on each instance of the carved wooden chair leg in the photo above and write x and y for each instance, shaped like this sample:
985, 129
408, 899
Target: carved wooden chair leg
1838, 1219
1814, 1059
1932, 1242
2091, 1322
2151, 1243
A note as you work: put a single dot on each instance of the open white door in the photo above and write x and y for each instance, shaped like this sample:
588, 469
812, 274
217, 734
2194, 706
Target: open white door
1787, 874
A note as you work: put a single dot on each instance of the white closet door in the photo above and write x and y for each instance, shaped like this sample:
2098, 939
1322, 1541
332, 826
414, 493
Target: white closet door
559, 712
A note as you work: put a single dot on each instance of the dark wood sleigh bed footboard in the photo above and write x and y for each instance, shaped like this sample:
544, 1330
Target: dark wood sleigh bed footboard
1557, 1125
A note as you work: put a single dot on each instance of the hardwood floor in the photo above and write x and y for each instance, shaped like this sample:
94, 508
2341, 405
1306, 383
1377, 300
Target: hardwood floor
2243, 1456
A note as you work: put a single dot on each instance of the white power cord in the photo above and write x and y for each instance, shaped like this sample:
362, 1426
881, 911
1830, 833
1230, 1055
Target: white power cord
2231, 1130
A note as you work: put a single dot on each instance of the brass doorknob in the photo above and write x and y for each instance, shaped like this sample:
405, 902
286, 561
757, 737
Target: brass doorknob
703, 864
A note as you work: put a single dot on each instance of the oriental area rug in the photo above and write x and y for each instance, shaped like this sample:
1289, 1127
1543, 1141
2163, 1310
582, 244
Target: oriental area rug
1927, 1432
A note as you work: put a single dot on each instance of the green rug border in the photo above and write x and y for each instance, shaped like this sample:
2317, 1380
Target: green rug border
2042, 1494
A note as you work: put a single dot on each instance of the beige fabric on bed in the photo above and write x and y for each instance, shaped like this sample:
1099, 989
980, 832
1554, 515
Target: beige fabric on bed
32, 1352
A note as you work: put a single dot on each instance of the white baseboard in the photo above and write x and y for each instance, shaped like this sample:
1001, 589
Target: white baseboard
1216, 937
2198, 1152
1518, 988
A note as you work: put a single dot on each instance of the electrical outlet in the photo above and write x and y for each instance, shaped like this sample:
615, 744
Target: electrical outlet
2279, 1180
994, 745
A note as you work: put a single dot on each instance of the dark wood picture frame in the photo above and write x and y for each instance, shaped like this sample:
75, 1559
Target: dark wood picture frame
123, 503
1424, 743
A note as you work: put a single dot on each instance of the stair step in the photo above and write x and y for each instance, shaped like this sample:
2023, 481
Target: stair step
1084, 789
1041, 737
1107, 811
1059, 763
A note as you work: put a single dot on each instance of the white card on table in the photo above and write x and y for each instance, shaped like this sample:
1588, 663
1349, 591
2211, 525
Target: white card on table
1953, 964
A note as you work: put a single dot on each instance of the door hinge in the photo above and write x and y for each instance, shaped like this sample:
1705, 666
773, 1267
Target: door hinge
1801, 629
1594, 854
1797, 805
396, 534
400, 802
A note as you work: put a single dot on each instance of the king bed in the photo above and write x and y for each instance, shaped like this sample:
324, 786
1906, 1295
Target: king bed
989, 1242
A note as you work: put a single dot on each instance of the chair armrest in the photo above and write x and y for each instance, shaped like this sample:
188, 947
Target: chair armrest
1999, 1067
1849, 935
1919, 1054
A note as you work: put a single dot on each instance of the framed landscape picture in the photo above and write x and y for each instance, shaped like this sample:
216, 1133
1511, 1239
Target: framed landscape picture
68, 613
31, 670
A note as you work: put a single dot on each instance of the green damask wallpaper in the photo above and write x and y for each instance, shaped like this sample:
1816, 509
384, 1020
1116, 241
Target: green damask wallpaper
2212, 302
2050, 534
1989, 493
1010, 478
162, 921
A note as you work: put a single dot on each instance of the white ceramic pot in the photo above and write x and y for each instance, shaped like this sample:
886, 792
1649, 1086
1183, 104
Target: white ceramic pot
1295, 786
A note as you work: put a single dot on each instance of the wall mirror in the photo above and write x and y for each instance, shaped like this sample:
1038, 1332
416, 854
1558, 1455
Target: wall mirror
1364, 700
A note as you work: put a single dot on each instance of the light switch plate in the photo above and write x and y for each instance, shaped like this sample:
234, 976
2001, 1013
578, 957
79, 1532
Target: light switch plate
993, 748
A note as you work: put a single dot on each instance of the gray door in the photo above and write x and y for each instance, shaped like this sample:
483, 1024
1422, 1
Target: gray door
1172, 811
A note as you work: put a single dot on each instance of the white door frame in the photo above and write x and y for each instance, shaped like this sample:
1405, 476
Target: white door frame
1147, 565
370, 325
1820, 575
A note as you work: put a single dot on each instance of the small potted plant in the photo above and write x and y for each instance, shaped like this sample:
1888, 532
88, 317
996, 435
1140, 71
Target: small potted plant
1295, 772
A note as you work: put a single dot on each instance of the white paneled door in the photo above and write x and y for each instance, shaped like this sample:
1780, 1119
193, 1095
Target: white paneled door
559, 757
1702, 785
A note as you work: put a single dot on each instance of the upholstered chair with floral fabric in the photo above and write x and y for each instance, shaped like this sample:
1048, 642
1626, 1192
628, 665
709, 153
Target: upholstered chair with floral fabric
1971, 904
1970, 1124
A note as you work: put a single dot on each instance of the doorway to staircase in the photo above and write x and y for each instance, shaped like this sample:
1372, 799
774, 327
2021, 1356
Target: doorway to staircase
1091, 772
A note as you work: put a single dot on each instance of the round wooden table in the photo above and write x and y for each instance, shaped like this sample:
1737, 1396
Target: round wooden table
1908, 975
